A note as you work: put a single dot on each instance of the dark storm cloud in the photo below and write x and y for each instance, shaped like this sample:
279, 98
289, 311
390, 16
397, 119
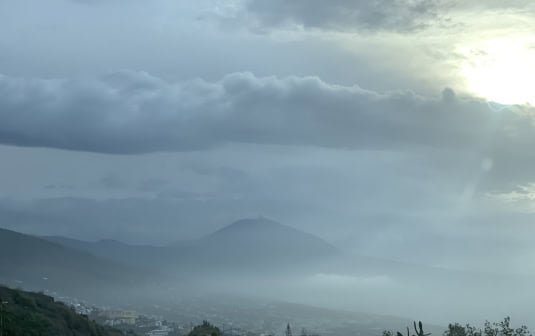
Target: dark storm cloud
132, 112
344, 15
402, 16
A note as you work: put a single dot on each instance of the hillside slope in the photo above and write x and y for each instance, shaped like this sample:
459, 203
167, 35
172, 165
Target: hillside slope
260, 245
245, 245
35, 263
145, 256
35, 314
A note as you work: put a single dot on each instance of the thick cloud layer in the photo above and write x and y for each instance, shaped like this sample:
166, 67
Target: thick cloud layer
133, 112
401, 16
397, 15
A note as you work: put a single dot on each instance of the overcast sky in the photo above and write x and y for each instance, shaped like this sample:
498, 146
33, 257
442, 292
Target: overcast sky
396, 128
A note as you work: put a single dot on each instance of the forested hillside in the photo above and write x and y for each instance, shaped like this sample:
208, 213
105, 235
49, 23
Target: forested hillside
36, 314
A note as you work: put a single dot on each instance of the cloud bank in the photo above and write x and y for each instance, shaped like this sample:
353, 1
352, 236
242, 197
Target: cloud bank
132, 112
343, 15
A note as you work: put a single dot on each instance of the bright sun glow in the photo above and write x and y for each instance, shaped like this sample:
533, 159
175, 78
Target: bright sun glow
501, 70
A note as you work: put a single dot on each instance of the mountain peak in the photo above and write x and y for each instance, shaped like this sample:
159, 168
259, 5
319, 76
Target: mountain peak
266, 237
253, 224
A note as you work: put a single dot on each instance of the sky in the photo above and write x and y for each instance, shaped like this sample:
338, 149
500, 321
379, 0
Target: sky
401, 129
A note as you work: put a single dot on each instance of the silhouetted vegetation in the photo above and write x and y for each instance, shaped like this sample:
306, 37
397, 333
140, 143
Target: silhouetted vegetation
288, 331
205, 329
502, 328
418, 329
36, 314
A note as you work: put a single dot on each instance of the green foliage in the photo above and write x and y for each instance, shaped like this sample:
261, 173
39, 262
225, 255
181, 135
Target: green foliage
419, 330
36, 314
502, 328
288, 331
205, 329
472, 331
456, 329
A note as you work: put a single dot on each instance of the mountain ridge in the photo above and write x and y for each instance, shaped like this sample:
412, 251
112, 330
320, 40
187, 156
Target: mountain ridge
28, 313
38, 263
262, 241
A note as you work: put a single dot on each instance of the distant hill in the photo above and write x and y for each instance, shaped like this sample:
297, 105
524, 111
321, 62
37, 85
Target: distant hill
35, 314
36, 263
261, 243
145, 256
253, 246
248, 244
264, 237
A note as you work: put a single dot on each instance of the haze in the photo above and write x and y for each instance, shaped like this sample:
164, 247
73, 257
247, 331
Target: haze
398, 133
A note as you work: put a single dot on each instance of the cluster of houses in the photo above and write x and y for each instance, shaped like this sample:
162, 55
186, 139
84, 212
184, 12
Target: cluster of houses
115, 318
163, 330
